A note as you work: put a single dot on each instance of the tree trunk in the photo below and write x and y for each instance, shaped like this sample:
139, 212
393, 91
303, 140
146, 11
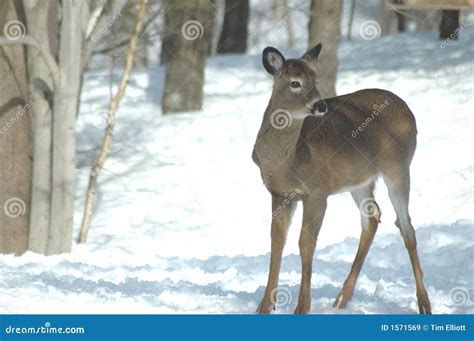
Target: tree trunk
167, 40
233, 37
64, 123
324, 27
14, 134
385, 18
351, 19
279, 10
39, 15
449, 25
427, 20
191, 27
401, 22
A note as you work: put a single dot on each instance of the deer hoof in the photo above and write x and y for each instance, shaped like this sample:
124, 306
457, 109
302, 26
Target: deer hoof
265, 307
424, 305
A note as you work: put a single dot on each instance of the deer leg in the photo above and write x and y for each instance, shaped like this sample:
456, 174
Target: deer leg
399, 193
282, 211
313, 214
370, 218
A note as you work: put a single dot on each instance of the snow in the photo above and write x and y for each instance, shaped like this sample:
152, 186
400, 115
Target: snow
182, 221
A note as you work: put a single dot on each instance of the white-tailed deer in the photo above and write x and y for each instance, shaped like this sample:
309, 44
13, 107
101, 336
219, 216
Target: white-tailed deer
306, 156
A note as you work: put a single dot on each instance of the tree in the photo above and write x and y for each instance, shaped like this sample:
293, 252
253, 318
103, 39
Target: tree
324, 27
167, 45
233, 37
113, 107
191, 29
14, 135
41, 14
449, 25
427, 20
58, 51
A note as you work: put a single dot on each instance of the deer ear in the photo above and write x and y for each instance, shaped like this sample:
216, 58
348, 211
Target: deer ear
273, 60
312, 54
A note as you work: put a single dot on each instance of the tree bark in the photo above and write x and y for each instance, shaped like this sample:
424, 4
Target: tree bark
64, 123
449, 25
351, 19
401, 22
14, 135
233, 37
386, 16
167, 45
427, 20
191, 27
39, 15
324, 27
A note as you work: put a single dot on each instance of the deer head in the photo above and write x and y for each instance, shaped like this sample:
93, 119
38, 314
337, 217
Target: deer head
295, 81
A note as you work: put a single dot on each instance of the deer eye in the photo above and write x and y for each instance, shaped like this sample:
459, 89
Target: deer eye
295, 85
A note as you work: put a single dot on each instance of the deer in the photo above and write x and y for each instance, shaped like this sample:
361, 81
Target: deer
309, 148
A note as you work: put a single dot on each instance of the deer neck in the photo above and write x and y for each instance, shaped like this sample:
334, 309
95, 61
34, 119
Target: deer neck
276, 140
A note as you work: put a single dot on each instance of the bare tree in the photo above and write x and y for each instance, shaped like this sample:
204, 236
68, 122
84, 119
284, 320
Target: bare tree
167, 43
324, 27
14, 135
41, 14
233, 37
191, 30
113, 107
56, 52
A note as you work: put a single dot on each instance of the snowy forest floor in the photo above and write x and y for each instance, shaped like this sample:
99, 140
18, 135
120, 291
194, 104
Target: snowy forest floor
182, 220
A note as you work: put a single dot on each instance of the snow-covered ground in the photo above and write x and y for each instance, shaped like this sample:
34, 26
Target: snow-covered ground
182, 220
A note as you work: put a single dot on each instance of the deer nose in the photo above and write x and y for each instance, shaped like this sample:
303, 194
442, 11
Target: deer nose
320, 108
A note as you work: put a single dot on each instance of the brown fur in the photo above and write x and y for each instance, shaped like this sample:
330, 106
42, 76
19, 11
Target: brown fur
365, 134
